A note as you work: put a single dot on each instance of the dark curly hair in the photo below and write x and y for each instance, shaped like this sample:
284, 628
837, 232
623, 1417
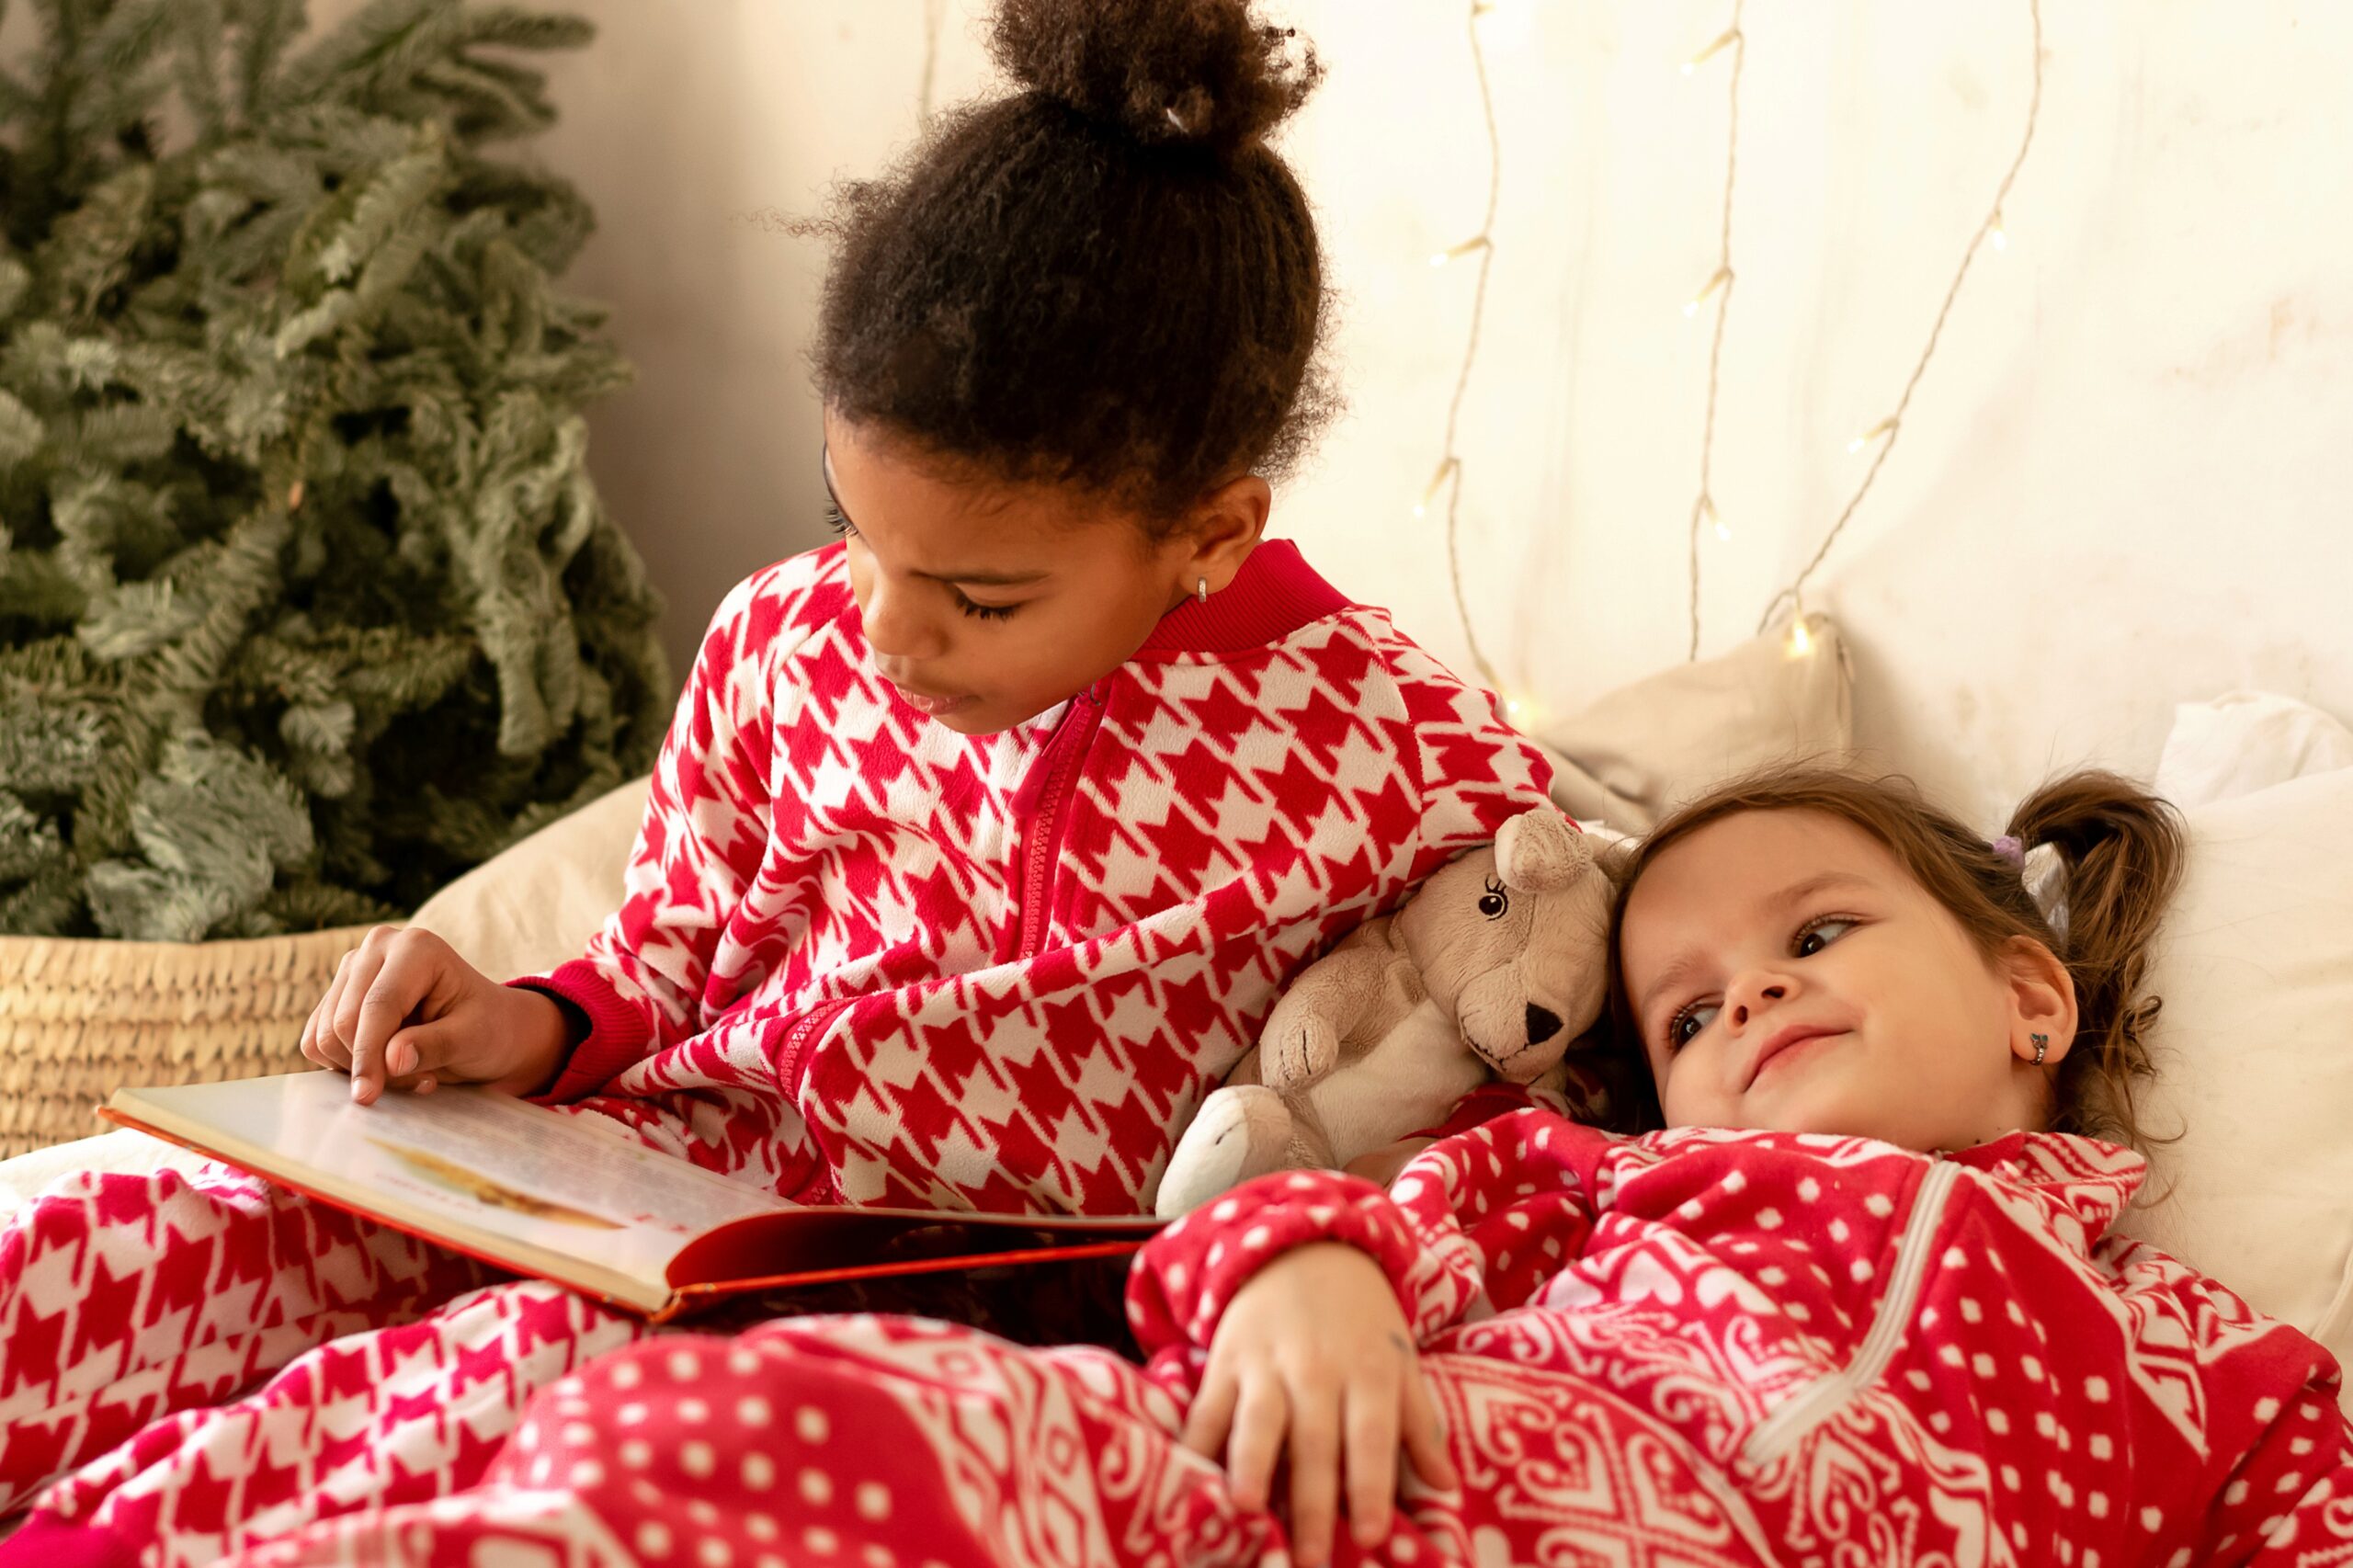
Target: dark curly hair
1106, 279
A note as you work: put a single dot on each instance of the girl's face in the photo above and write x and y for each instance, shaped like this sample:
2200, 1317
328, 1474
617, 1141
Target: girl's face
1789, 974
987, 604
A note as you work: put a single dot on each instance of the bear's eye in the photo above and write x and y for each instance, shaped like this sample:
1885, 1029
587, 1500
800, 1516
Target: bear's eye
1495, 901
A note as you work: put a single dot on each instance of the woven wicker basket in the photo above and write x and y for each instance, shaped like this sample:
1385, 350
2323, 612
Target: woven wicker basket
79, 1019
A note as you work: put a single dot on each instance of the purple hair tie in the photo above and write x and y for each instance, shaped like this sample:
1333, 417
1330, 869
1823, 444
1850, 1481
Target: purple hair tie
2010, 849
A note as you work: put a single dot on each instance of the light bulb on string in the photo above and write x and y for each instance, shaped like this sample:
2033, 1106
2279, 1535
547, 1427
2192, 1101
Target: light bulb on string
1884, 427
1437, 482
1999, 235
1801, 642
1722, 276
1476, 243
1724, 40
1708, 510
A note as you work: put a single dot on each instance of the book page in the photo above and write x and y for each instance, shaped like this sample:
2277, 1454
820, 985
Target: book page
574, 1186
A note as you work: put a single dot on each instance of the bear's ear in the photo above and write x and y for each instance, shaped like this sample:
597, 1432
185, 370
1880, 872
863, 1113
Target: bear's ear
1538, 851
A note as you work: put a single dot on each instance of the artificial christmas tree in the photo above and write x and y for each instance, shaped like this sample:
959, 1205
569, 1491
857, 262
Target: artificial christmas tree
307, 604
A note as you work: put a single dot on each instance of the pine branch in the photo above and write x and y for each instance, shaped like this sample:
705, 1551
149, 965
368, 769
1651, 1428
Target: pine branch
293, 469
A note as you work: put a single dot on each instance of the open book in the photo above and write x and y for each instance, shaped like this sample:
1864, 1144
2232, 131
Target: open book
575, 1198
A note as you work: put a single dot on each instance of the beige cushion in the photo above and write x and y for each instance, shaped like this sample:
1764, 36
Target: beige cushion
1646, 748
2254, 1056
534, 905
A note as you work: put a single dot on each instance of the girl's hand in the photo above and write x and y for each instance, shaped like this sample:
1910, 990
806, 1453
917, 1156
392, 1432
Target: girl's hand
406, 1012
1315, 1345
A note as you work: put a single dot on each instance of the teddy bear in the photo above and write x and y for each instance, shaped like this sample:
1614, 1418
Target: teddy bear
1491, 969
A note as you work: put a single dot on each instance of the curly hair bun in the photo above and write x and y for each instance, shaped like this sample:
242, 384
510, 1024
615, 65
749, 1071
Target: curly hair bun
1168, 73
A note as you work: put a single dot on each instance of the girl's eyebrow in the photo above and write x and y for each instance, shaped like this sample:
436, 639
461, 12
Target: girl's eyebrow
1686, 964
979, 579
1799, 891
1673, 975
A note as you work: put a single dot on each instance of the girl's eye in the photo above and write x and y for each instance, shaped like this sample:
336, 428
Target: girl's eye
984, 612
1688, 1023
1495, 901
1811, 938
835, 521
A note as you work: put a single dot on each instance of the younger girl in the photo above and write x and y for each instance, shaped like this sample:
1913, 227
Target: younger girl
1858, 1302
977, 851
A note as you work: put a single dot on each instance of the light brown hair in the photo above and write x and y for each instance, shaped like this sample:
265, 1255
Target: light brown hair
2123, 850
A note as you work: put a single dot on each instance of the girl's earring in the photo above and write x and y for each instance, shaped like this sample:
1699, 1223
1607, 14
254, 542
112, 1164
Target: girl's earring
1203, 589
2041, 1045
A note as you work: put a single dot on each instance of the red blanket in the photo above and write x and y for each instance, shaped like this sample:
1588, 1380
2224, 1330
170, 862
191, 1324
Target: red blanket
1697, 1349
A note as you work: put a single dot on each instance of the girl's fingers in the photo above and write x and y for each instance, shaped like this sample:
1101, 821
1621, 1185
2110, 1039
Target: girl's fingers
1425, 1434
402, 981
1371, 1415
1257, 1439
1315, 1474
352, 981
332, 1052
1213, 1414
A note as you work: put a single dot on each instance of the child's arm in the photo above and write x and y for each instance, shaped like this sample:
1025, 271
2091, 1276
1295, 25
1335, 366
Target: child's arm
2285, 1504
641, 984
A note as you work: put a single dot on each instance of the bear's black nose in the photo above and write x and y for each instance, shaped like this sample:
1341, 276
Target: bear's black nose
1542, 1025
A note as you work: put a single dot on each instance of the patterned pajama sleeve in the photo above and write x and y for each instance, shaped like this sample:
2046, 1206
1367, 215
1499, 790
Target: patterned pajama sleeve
703, 839
2288, 1502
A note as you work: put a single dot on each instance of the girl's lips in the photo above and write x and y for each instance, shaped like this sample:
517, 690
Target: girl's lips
1788, 1042
932, 707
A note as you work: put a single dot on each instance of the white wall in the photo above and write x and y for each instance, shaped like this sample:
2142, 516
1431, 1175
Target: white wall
2123, 482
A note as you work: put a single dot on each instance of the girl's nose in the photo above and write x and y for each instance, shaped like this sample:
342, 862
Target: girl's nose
1749, 994
896, 627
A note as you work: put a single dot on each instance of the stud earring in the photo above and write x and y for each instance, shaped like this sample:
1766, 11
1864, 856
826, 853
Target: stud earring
2041, 1044
1203, 589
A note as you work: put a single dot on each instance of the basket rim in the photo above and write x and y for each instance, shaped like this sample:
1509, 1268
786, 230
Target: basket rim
46, 962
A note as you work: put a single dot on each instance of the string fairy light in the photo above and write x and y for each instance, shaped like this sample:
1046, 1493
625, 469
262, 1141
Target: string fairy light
1448, 477
1991, 229
1719, 287
935, 13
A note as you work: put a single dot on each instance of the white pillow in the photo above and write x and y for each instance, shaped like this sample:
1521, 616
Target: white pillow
2244, 741
2254, 1056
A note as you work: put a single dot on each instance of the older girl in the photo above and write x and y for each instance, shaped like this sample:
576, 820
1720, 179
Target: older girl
979, 846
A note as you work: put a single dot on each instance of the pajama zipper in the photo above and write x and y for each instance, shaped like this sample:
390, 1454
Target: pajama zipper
1042, 846
1820, 1400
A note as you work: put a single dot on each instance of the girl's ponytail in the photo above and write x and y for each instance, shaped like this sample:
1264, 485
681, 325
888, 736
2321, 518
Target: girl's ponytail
2123, 850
